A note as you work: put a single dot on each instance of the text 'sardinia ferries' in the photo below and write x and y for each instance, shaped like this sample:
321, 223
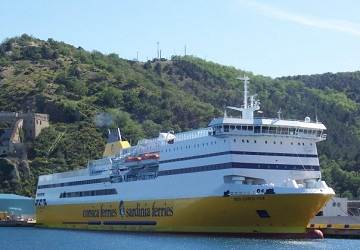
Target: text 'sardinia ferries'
240, 175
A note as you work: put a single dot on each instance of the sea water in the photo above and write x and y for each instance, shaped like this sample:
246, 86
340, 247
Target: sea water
48, 239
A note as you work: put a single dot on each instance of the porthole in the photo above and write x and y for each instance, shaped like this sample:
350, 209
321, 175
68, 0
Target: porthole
265, 142
243, 140
254, 141
234, 140
247, 141
274, 142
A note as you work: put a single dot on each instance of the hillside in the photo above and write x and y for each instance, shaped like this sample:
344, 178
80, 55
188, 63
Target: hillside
85, 92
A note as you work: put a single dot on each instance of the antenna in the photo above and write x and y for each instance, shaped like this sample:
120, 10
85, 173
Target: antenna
137, 55
157, 46
119, 134
185, 50
160, 54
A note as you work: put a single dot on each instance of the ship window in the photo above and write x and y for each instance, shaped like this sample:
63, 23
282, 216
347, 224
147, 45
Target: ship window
232, 127
250, 128
226, 128
238, 127
291, 143
254, 141
265, 129
243, 140
263, 213
272, 130
280, 142
257, 129
299, 143
274, 142
247, 141
265, 142
234, 140
284, 131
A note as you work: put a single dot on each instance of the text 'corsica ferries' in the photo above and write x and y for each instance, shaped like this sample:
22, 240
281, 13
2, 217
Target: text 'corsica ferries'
240, 175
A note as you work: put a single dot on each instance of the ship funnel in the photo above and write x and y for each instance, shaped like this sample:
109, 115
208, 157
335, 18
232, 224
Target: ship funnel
114, 143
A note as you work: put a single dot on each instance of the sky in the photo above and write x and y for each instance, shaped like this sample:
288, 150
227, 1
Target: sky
272, 37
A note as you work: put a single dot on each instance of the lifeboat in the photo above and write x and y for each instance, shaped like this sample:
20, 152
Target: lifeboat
152, 156
133, 158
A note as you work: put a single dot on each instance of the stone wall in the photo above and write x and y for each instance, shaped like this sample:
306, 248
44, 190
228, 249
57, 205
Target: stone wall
29, 123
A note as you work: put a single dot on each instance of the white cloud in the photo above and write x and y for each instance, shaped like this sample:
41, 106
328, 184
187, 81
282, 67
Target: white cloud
344, 26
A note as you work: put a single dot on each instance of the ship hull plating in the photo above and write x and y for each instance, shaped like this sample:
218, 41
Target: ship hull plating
270, 214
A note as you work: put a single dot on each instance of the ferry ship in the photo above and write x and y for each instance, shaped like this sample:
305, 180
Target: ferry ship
240, 175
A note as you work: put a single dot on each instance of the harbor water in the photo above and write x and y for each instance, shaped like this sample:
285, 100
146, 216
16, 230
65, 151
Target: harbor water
46, 239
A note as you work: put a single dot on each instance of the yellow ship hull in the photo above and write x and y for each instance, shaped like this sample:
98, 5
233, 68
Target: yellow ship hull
260, 214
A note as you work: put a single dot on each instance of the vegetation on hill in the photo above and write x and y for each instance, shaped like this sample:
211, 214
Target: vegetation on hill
85, 92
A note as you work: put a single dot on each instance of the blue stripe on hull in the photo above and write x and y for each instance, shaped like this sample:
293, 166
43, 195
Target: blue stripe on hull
239, 165
239, 153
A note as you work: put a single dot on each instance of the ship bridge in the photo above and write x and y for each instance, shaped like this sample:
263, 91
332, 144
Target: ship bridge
247, 124
257, 126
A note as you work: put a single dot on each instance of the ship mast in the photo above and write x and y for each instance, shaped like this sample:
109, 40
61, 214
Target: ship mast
247, 110
245, 79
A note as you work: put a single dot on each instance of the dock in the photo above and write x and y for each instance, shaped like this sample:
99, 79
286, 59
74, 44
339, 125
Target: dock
337, 226
17, 224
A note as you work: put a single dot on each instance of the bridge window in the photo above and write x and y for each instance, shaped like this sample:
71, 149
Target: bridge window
284, 131
292, 131
272, 130
265, 129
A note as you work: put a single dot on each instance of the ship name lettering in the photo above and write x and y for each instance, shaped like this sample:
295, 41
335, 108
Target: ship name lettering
102, 212
153, 211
